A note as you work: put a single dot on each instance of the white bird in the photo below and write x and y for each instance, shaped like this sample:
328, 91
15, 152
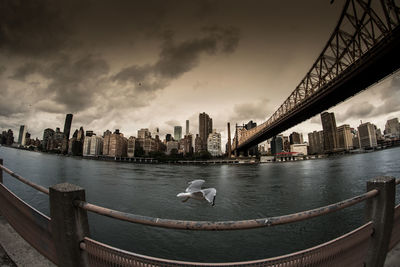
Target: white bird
194, 191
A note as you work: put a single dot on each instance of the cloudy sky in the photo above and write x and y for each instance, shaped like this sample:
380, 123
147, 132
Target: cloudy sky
148, 64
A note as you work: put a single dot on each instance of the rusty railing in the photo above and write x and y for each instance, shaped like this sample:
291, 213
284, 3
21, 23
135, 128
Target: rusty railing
64, 237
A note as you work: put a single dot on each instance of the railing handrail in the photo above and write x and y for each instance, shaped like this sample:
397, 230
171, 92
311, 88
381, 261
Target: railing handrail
224, 225
25, 181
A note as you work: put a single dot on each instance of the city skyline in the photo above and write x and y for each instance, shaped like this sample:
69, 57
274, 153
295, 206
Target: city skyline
161, 72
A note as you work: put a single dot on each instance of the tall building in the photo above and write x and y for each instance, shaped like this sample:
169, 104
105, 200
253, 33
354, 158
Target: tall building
177, 133
47, 134
96, 145
296, 138
188, 144
131, 147
93, 146
367, 135
143, 133
107, 132
276, 145
86, 146
172, 146
316, 142
253, 151
115, 145
392, 127
148, 144
55, 143
75, 147
67, 125
187, 127
330, 131
7, 138
345, 137
22, 135
214, 144
197, 144
205, 128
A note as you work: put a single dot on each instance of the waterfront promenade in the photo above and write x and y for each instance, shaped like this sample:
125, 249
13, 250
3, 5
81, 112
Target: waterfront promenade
15, 251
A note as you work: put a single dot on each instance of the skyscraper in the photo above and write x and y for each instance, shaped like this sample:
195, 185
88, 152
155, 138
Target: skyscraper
367, 135
144, 133
177, 133
22, 135
276, 145
296, 138
345, 137
392, 127
197, 144
316, 142
47, 135
67, 125
214, 144
205, 128
330, 131
187, 127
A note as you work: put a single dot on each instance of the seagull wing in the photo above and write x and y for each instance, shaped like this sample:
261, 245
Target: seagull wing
209, 194
195, 186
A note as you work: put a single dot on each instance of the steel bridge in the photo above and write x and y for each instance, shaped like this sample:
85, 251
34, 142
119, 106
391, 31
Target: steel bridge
363, 49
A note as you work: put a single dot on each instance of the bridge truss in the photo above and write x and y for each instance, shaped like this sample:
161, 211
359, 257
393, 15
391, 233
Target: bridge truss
363, 48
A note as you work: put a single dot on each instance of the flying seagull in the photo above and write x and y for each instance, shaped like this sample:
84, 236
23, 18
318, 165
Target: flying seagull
194, 191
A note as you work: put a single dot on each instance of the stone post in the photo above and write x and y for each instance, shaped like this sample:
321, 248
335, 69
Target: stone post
380, 211
1, 171
69, 224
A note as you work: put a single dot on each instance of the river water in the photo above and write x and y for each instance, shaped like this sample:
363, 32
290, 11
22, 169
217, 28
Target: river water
243, 192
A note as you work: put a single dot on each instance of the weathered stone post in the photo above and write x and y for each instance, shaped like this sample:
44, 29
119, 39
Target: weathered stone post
1, 171
380, 210
69, 224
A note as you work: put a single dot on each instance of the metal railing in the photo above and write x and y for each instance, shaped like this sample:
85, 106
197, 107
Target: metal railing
65, 239
225, 225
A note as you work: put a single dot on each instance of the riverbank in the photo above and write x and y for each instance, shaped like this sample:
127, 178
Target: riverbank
238, 160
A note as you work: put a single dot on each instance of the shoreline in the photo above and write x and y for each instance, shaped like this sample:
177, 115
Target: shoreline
218, 161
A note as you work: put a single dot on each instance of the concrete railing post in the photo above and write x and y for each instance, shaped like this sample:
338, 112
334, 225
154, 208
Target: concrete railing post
1, 171
380, 211
69, 224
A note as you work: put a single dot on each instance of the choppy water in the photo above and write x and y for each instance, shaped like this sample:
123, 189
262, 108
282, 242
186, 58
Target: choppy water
243, 192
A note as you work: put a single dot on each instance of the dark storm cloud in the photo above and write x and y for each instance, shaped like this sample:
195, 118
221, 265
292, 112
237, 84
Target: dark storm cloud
8, 104
362, 110
390, 97
72, 84
257, 110
32, 28
2, 70
175, 59
25, 70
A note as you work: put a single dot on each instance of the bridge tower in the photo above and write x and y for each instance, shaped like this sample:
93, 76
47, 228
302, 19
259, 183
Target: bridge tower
229, 152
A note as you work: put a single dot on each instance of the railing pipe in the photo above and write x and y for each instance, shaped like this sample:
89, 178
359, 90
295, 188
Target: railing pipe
1, 171
13, 174
224, 225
